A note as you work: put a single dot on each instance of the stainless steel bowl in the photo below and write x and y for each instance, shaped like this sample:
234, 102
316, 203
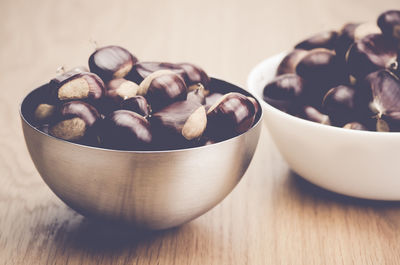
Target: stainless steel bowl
150, 189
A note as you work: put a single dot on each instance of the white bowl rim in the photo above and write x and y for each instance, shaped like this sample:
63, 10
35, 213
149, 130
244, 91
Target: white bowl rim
257, 70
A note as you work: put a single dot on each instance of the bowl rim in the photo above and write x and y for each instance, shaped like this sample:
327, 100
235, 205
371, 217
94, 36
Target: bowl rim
253, 127
257, 71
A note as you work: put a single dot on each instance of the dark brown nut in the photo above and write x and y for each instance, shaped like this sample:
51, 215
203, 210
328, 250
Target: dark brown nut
326, 39
370, 54
126, 130
136, 104
118, 90
123, 84
384, 89
79, 86
231, 115
284, 92
255, 103
312, 114
212, 98
355, 126
340, 104
321, 70
197, 95
162, 88
193, 76
389, 23
352, 32
75, 122
111, 62
289, 63
44, 113
141, 70
177, 124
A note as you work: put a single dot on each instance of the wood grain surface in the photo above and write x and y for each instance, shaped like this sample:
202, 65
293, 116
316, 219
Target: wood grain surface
272, 217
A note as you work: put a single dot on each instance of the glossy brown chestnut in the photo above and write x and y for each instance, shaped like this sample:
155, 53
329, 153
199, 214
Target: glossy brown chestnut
370, 54
326, 39
141, 70
179, 123
76, 122
355, 126
389, 23
126, 130
118, 90
352, 32
162, 88
111, 62
321, 70
345, 39
194, 75
339, 104
231, 115
289, 63
197, 95
80, 86
136, 104
44, 113
312, 114
385, 99
212, 98
284, 92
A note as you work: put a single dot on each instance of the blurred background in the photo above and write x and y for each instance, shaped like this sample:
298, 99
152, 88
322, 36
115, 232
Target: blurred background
227, 38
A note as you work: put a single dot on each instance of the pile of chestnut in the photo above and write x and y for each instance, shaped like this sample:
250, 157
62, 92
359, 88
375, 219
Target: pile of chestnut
129, 105
347, 78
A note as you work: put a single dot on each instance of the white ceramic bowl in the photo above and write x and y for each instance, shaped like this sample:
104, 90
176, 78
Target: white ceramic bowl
356, 163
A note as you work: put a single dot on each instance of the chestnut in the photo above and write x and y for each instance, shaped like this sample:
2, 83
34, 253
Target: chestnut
340, 104
389, 23
76, 122
111, 62
345, 39
136, 104
194, 76
231, 115
179, 123
44, 113
326, 39
312, 114
355, 126
290, 61
352, 32
384, 89
141, 70
255, 104
284, 92
370, 54
211, 99
197, 95
321, 70
80, 86
117, 91
126, 130
162, 88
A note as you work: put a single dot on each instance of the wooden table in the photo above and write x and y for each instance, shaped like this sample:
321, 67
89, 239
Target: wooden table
272, 217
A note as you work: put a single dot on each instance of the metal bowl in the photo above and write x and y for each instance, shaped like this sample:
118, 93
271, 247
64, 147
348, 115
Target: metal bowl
149, 189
